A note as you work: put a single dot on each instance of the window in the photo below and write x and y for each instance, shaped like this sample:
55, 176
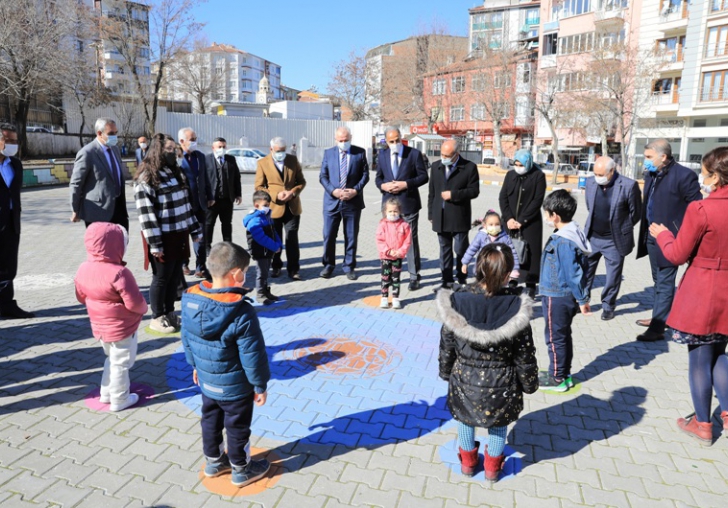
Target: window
718, 5
550, 44
438, 87
143, 52
609, 39
502, 80
724, 122
702, 122
527, 73
245, 73
717, 41
533, 16
579, 43
714, 87
478, 84
672, 48
458, 84
568, 8
457, 113
477, 112
436, 114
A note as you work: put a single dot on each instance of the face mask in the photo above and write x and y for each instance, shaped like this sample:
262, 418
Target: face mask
344, 146
396, 147
549, 222
242, 282
521, 170
143, 146
446, 161
170, 158
219, 152
179, 161
650, 166
601, 180
10, 150
393, 217
705, 188
493, 230
112, 140
279, 156
192, 147
264, 209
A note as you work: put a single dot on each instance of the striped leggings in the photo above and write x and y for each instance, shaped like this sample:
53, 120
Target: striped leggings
496, 439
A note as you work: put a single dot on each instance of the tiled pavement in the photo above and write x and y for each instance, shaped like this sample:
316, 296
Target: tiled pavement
356, 412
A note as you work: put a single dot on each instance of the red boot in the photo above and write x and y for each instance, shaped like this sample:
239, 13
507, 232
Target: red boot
468, 460
724, 420
699, 430
493, 466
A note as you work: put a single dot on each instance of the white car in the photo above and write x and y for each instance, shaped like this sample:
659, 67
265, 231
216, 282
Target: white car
246, 158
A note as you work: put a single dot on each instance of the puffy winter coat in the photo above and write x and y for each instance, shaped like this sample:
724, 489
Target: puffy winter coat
263, 241
222, 339
395, 235
486, 354
106, 287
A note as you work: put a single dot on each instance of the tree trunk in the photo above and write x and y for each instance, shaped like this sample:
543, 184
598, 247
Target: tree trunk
497, 140
554, 151
155, 98
605, 145
22, 107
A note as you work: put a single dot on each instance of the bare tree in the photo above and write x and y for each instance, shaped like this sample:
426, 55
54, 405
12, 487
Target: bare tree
192, 74
348, 84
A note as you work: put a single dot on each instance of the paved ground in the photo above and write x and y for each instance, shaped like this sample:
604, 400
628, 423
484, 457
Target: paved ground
356, 414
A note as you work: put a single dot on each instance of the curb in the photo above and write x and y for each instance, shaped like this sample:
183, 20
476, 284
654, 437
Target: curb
498, 183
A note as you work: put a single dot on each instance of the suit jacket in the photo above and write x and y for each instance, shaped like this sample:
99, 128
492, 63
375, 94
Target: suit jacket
230, 169
356, 179
412, 170
269, 179
200, 192
140, 156
674, 192
11, 217
464, 186
624, 212
93, 185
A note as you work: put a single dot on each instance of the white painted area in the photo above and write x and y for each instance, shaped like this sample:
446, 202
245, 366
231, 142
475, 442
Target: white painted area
40, 281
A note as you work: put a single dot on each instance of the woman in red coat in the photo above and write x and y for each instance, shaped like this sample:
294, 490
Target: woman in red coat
699, 315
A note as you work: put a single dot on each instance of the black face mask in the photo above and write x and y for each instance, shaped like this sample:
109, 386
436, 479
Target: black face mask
170, 158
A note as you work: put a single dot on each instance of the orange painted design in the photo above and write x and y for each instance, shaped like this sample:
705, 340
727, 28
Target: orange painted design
346, 356
374, 301
221, 485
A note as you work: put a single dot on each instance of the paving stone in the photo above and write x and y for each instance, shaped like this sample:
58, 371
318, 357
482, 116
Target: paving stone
340, 490
372, 478
29, 486
365, 496
145, 491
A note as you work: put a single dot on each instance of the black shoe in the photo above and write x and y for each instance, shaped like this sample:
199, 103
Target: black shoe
271, 296
275, 273
649, 336
607, 315
326, 272
414, 284
263, 299
351, 275
15, 312
444, 285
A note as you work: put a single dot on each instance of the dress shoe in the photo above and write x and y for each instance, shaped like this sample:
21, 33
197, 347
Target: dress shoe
275, 273
649, 336
607, 315
644, 322
326, 272
294, 276
414, 284
270, 295
186, 270
444, 285
15, 312
351, 275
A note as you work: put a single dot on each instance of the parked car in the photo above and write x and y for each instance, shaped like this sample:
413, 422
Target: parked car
246, 158
33, 128
567, 169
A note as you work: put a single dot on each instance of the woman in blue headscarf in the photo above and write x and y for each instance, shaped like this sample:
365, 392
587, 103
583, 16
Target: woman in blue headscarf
520, 200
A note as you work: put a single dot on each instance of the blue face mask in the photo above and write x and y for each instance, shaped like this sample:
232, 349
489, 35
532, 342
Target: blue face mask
112, 140
650, 166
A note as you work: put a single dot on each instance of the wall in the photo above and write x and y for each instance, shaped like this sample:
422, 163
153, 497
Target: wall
58, 174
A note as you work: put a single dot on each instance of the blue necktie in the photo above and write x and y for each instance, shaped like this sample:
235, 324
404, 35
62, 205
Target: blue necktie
395, 166
343, 170
114, 167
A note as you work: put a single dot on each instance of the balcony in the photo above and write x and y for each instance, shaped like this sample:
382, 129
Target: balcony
528, 33
718, 7
716, 50
609, 16
714, 94
551, 26
548, 61
667, 100
674, 17
672, 60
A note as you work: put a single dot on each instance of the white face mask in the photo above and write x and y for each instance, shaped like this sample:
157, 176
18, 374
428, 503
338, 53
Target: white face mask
493, 230
344, 146
705, 188
549, 222
264, 209
180, 160
395, 147
143, 146
10, 150
601, 180
446, 161
521, 170
219, 152
279, 156
192, 147
393, 217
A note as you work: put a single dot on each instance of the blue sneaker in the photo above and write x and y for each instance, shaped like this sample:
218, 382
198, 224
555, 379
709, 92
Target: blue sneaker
254, 470
217, 467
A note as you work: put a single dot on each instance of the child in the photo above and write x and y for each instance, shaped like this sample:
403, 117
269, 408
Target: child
263, 242
491, 232
223, 342
115, 307
394, 237
562, 286
487, 356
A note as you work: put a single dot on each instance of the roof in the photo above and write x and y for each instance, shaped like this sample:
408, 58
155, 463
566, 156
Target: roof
230, 49
501, 7
383, 48
429, 137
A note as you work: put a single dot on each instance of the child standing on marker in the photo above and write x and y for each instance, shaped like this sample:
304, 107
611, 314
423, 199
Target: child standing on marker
487, 356
394, 237
491, 231
115, 307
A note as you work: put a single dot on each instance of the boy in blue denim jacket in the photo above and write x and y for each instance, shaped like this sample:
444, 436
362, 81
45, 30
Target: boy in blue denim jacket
562, 287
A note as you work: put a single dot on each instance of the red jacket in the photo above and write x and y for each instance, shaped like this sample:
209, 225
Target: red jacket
700, 306
107, 288
393, 236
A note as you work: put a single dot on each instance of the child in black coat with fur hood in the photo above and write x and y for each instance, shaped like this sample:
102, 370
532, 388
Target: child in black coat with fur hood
487, 356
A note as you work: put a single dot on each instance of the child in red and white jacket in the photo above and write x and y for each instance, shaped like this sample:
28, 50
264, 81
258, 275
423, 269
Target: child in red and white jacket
115, 307
394, 237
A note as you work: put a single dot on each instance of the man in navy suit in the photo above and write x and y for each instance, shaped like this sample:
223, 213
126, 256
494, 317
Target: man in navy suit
615, 206
401, 172
141, 152
669, 189
344, 173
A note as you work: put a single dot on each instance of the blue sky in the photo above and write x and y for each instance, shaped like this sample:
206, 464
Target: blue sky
308, 38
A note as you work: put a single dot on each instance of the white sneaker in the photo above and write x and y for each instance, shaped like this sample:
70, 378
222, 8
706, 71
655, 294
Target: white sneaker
162, 325
132, 399
396, 304
384, 304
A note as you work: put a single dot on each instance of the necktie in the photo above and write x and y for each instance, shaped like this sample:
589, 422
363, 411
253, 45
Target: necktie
395, 166
222, 161
114, 167
343, 170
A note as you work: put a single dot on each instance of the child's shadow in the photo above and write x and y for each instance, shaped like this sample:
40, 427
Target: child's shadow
300, 364
622, 355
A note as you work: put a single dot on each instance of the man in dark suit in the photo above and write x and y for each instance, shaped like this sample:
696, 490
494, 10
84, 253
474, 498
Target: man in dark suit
97, 181
400, 173
615, 206
11, 180
141, 152
454, 183
344, 173
224, 177
193, 165
669, 189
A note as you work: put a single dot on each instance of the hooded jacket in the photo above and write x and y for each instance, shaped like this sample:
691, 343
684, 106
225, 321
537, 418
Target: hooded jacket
263, 241
486, 354
482, 238
564, 264
106, 287
222, 339
395, 235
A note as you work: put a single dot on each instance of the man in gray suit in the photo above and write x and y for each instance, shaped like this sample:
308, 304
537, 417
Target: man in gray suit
615, 206
97, 181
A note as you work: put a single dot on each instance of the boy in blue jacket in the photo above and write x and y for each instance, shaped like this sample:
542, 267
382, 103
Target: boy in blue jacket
224, 344
562, 287
263, 242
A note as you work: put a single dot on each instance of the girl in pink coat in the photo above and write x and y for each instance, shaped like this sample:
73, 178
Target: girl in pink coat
115, 307
394, 237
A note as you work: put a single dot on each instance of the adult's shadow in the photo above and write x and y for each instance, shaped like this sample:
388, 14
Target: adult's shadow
301, 364
368, 430
565, 429
637, 354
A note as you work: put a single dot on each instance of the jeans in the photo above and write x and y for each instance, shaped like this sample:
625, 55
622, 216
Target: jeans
224, 210
235, 417
261, 275
290, 223
120, 357
664, 279
200, 247
165, 282
446, 255
604, 246
559, 312
414, 263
